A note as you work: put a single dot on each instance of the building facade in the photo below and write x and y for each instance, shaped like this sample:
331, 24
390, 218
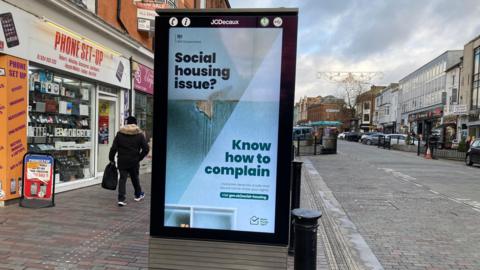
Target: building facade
470, 85
365, 109
302, 108
330, 109
386, 104
424, 94
455, 110
71, 83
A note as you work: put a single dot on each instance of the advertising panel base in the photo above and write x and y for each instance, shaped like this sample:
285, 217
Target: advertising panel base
194, 254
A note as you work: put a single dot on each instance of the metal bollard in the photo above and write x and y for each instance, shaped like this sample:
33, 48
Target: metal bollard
298, 146
306, 224
418, 147
315, 145
296, 183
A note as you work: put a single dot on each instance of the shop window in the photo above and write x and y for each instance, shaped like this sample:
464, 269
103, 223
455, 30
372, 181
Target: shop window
59, 122
144, 113
366, 117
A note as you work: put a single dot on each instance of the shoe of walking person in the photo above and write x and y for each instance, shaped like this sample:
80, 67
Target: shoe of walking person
121, 203
140, 197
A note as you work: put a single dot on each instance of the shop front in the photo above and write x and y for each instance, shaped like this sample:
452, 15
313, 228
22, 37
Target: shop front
422, 123
143, 105
74, 89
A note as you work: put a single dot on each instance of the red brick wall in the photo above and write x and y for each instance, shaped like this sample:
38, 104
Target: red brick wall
107, 9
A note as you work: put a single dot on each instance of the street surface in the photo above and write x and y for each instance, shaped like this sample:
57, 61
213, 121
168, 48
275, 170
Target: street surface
412, 213
85, 230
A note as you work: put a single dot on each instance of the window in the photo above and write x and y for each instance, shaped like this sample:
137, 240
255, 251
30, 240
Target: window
454, 96
475, 84
60, 122
366, 117
366, 106
476, 143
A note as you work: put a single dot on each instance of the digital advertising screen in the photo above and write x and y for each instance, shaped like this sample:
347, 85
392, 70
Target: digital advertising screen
225, 98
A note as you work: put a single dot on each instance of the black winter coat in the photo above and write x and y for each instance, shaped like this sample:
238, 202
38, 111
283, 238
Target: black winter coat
131, 146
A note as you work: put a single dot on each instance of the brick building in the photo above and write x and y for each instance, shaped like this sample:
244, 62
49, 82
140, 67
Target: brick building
123, 14
301, 109
330, 108
365, 109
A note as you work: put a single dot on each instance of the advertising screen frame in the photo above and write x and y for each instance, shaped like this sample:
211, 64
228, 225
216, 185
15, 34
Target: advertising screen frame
248, 18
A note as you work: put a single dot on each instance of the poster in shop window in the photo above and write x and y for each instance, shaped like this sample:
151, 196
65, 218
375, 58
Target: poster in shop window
103, 121
227, 96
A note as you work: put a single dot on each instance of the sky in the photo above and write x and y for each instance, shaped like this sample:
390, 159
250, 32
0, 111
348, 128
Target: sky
394, 37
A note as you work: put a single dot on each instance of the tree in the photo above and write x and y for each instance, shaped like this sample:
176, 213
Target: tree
351, 84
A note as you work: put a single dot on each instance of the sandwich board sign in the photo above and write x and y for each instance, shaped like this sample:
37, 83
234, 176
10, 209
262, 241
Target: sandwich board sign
38, 186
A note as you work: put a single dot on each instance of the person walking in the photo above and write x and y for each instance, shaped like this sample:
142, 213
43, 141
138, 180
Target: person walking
132, 147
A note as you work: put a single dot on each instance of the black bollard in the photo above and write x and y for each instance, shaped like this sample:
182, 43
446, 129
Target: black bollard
315, 145
293, 151
296, 183
418, 146
306, 225
298, 146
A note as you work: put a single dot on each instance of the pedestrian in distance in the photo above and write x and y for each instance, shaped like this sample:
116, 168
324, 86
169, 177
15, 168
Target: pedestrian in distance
132, 147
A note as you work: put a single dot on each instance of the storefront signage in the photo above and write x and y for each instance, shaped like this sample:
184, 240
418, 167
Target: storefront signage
332, 110
50, 44
156, 4
437, 112
38, 183
459, 109
13, 119
143, 78
146, 13
146, 20
225, 104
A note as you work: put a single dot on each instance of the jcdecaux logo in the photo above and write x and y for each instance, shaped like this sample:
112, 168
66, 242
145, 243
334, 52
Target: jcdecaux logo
224, 22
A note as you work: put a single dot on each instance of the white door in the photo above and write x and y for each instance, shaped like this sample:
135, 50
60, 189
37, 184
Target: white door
107, 114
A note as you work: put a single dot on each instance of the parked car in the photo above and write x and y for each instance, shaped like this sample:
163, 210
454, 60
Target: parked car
364, 136
353, 136
401, 139
473, 153
371, 138
342, 135
374, 138
396, 138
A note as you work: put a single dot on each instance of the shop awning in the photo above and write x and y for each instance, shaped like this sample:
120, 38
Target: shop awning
325, 123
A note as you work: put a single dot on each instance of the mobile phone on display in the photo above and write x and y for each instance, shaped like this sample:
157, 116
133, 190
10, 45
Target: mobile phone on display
43, 191
120, 71
33, 189
9, 30
13, 186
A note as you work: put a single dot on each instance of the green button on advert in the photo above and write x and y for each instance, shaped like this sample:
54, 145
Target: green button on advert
246, 196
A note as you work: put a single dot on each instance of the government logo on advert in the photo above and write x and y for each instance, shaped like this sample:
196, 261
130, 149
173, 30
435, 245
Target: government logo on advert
224, 22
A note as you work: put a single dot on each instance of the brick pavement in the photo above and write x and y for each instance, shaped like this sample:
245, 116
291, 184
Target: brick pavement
415, 214
85, 230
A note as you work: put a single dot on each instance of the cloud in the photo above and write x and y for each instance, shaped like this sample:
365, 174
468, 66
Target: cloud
394, 37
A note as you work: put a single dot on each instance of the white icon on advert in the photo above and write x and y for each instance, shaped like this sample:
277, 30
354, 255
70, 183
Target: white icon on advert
185, 21
173, 21
277, 21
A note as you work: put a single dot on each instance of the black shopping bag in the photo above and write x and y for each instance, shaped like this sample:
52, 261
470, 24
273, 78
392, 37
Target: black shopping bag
110, 177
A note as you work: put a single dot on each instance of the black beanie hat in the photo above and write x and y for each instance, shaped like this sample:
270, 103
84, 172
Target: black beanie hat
131, 120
